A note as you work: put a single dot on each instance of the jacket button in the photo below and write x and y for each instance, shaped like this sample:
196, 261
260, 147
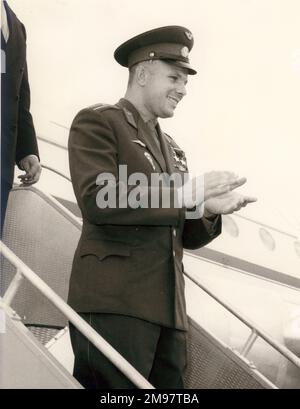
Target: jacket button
22, 69
13, 127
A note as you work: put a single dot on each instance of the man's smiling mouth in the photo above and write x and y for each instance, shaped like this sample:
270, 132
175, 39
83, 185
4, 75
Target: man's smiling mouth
176, 100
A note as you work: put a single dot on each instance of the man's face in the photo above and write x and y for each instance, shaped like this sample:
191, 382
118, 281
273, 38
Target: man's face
164, 88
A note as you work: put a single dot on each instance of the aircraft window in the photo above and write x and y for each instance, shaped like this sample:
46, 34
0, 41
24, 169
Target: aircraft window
267, 239
297, 248
230, 226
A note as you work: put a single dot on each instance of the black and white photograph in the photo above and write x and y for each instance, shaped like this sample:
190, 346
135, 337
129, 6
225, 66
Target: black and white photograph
150, 201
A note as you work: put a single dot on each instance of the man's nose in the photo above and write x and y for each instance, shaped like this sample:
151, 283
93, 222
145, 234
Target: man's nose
181, 89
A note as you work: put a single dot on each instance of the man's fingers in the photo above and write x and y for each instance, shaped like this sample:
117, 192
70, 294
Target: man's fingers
244, 201
250, 199
223, 185
22, 177
237, 183
226, 187
26, 179
238, 202
219, 178
27, 182
217, 174
31, 176
30, 180
217, 191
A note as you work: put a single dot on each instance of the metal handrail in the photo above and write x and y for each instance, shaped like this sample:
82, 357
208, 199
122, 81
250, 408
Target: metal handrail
255, 330
23, 271
56, 144
56, 171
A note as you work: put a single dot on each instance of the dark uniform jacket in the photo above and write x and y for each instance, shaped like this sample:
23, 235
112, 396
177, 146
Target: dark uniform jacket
18, 137
128, 261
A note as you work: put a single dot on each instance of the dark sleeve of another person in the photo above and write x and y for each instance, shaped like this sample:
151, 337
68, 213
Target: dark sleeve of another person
26, 139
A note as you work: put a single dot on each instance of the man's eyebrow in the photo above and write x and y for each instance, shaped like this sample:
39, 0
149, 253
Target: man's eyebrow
179, 74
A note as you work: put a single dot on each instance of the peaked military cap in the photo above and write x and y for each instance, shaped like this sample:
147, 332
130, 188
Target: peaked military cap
171, 43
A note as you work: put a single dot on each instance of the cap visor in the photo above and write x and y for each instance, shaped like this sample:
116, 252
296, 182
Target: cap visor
186, 65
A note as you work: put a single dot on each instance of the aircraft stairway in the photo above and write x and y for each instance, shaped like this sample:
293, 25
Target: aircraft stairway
35, 267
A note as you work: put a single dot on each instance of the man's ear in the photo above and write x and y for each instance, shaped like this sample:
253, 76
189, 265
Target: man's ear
141, 75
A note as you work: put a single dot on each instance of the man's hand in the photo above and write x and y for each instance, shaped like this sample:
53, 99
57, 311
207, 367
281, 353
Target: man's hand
33, 170
206, 186
225, 204
219, 182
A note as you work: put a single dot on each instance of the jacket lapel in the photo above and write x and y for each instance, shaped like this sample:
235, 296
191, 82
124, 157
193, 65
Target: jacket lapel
144, 134
143, 131
166, 151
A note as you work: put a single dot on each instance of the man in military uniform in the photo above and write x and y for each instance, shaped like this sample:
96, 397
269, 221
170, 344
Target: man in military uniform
127, 276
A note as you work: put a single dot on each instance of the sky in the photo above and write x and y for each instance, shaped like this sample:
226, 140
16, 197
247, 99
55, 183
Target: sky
241, 112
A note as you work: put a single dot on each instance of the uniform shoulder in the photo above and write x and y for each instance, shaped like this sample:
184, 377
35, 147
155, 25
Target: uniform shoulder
102, 107
93, 111
98, 108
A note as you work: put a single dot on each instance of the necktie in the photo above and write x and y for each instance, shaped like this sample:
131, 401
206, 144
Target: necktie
152, 126
4, 23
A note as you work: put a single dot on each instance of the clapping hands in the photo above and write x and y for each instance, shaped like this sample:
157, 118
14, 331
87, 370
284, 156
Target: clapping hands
227, 203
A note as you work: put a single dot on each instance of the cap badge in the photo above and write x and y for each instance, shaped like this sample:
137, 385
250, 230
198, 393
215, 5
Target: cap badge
189, 35
185, 52
152, 54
